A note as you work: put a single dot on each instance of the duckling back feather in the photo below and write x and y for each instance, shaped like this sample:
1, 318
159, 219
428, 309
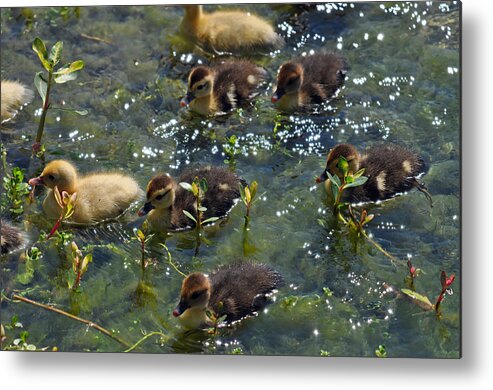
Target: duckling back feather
391, 169
11, 237
221, 195
13, 95
242, 288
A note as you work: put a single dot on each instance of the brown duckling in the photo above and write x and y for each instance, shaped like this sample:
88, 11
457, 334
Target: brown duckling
235, 291
223, 87
166, 199
390, 169
229, 31
308, 80
100, 196
11, 237
13, 95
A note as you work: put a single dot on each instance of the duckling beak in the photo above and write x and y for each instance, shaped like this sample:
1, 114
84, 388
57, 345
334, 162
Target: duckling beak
322, 177
145, 209
36, 181
277, 95
187, 99
182, 306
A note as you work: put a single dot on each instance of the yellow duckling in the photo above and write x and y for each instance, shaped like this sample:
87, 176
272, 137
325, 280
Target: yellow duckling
223, 87
236, 290
13, 96
308, 80
100, 196
166, 199
229, 31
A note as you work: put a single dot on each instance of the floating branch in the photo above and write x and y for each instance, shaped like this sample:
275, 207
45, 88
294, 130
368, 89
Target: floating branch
87, 322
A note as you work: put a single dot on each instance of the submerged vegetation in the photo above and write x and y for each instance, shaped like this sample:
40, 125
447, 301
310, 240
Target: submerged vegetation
119, 281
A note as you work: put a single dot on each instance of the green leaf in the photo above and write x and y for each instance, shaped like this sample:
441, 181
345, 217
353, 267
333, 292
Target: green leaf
343, 165
63, 78
242, 194
189, 215
70, 68
327, 291
85, 263
71, 110
202, 208
335, 190
358, 182
41, 85
421, 300
211, 219
203, 185
359, 173
56, 53
334, 179
186, 186
253, 188
40, 48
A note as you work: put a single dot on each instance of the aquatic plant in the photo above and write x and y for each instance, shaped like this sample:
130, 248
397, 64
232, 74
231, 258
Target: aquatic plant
79, 266
381, 352
231, 150
143, 236
29, 259
215, 318
424, 302
44, 84
413, 274
198, 188
15, 189
248, 193
67, 204
338, 187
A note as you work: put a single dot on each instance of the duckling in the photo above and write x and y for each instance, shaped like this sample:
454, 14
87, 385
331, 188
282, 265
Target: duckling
11, 237
166, 199
100, 196
391, 170
13, 95
229, 31
235, 291
223, 87
308, 80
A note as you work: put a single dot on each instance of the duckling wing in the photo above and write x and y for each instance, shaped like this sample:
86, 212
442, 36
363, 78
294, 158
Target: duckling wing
222, 193
323, 74
104, 196
13, 95
236, 82
391, 170
242, 288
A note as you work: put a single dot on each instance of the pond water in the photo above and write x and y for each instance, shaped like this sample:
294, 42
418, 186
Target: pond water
403, 86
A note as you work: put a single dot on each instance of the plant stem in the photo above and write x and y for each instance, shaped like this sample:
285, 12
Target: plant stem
170, 261
46, 105
392, 258
143, 339
87, 322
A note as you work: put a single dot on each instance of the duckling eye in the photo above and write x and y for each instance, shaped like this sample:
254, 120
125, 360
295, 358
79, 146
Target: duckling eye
51, 177
195, 294
159, 197
200, 87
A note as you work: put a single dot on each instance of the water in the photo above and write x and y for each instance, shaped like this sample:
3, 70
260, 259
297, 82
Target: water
403, 86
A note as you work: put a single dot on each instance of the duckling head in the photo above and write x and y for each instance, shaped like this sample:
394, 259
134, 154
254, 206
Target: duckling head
200, 83
289, 80
160, 194
195, 293
347, 151
59, 173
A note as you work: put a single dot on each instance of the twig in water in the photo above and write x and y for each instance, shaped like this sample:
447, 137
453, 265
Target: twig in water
170, 261
87, 322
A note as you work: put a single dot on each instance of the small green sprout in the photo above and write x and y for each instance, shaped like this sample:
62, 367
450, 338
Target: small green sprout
198, 188
380, 351
143, 236
59, 75
248, 193
66, 202
79, 266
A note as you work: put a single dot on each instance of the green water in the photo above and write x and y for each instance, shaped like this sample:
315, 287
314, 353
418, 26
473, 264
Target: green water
403, 86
